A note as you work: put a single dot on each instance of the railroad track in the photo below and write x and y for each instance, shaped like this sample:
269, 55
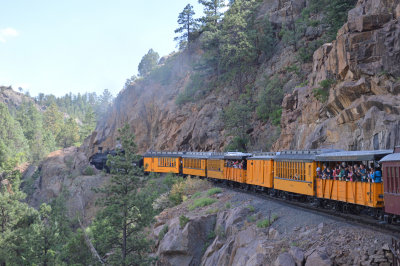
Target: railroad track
355, 219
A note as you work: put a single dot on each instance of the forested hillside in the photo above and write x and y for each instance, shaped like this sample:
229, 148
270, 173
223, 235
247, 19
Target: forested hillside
31, 128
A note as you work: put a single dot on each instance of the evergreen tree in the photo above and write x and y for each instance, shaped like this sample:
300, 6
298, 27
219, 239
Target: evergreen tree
148, 63
119, 226
13, 144
187, 28
238, 38
69, 134
104, 103
212, 13
53, 119
88, 123
15, 218
236, 118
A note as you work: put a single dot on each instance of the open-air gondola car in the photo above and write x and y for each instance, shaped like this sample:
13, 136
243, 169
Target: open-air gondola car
354, 192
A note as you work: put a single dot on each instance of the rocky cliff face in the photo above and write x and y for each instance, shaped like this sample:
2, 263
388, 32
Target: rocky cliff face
12, 98
66, 171
148, 105
363, 109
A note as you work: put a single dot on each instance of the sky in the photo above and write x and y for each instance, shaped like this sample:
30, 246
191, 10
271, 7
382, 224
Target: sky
57, 47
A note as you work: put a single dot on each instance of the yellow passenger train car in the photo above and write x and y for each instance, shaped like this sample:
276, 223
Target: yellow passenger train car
294, 171
260, 170
215, 165
235, 166
162, 162
354, 192
195, 163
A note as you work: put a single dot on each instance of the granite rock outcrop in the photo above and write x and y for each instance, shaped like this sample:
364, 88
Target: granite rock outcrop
363, 107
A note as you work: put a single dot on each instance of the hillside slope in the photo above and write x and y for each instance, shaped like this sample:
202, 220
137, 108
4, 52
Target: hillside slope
360, 68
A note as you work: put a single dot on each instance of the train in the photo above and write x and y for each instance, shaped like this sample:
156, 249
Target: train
292, 174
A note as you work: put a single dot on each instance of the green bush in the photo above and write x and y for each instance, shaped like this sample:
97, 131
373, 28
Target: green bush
211, 235
269, 104
183, 220
213, 191
196, 195
267, 222
251, 218
322, 93
88, 170
171, 179
251, 208
163, 231
202, 202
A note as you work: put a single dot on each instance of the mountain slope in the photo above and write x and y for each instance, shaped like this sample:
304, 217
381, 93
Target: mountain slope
358, 71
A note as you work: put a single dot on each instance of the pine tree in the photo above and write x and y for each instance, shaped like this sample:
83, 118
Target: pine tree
119, 225
13, 144
53, 119
188, 27
212, 12
88, 123
148, 63
69, 134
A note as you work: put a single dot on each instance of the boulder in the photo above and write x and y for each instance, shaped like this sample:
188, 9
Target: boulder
298, 255
319, 258
185, 246
284, 259
257, 259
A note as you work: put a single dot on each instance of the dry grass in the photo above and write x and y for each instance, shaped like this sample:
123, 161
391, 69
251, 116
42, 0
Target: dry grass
193, 185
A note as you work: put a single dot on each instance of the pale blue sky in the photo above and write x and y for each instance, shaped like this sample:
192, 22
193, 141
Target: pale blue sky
57, 47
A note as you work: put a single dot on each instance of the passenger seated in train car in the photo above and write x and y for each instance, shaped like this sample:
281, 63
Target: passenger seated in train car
327, 173
363, 173
336, 172
240, 164
344, 171
356, 173
349, 173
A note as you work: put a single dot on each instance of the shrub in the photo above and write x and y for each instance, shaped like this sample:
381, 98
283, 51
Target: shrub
322, 93
171, 179
267, 222
213, 191
251, 208
211, 211
228, 205
163, 231
252, 218
162, 202
196, 195
183, 220
88, 170
177, 192
220, 231
202, 202
193, 185
211, 235
270, 101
